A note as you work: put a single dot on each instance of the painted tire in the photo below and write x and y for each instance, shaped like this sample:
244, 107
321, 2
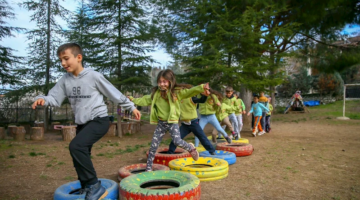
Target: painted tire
215, 167
228, 156
62, 192
213, 178
240, 140
152, 185
138, 168
200, 149
164, 158
240, 149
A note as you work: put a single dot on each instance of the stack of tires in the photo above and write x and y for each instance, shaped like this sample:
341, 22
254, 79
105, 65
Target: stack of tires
205, 168
163, 158
160, 185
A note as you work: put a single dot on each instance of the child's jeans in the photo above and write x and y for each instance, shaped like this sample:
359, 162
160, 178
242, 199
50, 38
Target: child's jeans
234, 122
240, 122
210, 119
225, 122
159, 133
257, 124
267, 123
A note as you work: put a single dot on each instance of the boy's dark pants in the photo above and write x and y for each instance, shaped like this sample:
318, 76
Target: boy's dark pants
198, 132
80, 148
267, 122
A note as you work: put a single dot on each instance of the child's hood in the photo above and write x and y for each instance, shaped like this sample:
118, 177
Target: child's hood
82, 73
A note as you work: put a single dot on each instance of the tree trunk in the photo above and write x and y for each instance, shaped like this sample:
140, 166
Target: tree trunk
11, 130
119, 129
48, 62
131, 127
37, 133
19, 134
2, 133
112, 130
68, 133
246, 97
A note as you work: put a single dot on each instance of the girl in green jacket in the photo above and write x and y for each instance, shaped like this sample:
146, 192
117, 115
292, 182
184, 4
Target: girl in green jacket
165, 111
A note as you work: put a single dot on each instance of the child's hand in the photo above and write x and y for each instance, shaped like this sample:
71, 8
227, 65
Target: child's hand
206, 93
244, 112
248, 114
219, 104
206, 86
137, 114
40, 102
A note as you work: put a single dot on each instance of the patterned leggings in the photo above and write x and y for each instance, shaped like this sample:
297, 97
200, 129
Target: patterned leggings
159, 133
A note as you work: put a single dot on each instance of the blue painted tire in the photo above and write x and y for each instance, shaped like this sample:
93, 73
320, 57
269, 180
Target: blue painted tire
62, 192
226, 155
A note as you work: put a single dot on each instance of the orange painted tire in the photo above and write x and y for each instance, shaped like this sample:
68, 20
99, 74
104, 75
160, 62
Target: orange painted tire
138, 168
240, 149
163, 158
160, 185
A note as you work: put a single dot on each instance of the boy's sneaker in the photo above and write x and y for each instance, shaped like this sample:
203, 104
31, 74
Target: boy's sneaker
213, 153
193, 152
95, 192
228, 140
254, 133
261, 133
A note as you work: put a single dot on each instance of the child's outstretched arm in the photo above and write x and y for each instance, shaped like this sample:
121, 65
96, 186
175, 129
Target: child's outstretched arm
55, 96
264, 108
187, 93
108, 89
142, 101
251, 110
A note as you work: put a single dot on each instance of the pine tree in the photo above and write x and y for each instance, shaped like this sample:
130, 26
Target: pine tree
125, 33
79, 32
44, 40
9, 63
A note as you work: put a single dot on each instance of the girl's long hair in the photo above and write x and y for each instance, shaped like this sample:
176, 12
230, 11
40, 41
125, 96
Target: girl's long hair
168, 75
218, 95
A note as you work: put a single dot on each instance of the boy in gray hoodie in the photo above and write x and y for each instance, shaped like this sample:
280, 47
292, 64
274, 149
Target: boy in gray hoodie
85, 89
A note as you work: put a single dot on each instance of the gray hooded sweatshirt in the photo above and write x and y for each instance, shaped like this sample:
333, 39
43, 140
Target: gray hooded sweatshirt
85, 94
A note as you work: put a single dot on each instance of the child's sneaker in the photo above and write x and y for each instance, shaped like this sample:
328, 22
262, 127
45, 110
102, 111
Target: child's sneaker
254, 133
193, 152
261, 133
228, 140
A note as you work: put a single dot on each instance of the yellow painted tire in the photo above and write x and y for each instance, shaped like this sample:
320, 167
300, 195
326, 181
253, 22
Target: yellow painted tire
241, 140
200, 149
213, 178
182, 164
216, 168
209, 174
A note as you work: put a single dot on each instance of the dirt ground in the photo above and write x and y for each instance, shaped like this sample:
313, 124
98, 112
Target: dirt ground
306, 156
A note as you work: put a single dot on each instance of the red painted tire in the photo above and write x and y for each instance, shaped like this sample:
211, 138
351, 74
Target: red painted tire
160, 185
138, 168
240, 149
162, 158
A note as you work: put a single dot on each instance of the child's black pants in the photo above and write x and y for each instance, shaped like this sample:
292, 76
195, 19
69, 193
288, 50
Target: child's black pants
80, 148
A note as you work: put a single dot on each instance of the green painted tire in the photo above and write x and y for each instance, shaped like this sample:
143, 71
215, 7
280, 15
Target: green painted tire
148, 185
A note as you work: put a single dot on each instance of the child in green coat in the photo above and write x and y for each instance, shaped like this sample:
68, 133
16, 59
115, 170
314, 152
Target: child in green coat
165, 111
